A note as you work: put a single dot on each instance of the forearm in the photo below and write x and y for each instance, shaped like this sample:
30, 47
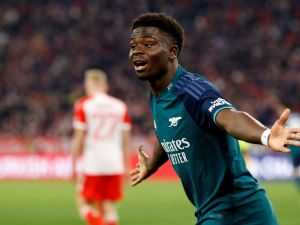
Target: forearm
75, 155
241, 125
158, 158
77, 146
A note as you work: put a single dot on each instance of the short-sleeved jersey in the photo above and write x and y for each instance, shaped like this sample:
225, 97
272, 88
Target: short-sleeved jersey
206, 158
104, 118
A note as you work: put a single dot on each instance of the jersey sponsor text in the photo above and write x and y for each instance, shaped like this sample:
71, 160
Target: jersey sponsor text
178, 158
173, 147
218, 102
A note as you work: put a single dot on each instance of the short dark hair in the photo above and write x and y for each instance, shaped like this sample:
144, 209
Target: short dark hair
162, 21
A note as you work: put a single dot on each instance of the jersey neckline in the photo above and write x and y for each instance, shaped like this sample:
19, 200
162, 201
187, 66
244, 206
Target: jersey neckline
178, 73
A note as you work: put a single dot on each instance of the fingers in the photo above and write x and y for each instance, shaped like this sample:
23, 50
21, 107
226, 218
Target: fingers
135, 176
293, 142
134, 171
135, 182
294, 130
284, 116
293, 135
284, 149
138, 173
141, 154
289, 142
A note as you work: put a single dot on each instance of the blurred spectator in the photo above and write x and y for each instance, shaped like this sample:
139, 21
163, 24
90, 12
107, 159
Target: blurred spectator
253, 46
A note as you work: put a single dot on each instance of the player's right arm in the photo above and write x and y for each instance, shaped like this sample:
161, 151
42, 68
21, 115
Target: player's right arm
146, 165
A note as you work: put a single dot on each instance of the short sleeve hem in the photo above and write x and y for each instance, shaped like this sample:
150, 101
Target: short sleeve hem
219, 110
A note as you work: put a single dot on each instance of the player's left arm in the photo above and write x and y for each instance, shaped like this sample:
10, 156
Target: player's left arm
243, 126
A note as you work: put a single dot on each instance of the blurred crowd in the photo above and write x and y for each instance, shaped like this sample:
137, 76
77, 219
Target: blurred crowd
250, 49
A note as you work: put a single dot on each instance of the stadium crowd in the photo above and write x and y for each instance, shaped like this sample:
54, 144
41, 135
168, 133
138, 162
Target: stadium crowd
250, 49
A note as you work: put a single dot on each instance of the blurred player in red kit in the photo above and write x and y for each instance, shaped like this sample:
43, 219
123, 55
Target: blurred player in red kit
102, 135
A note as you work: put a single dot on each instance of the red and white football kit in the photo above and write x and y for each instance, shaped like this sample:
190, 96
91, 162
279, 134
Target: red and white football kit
104, 118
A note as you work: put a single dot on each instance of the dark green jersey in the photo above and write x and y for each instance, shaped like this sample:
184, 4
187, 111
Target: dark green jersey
206, 158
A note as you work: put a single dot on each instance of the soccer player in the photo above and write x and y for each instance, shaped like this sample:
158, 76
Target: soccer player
102, 131
197, 130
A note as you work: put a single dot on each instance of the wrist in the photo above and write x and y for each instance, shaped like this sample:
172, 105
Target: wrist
151, 167
265, 137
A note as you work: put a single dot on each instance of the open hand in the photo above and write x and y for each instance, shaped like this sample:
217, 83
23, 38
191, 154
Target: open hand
141, 171
282, 136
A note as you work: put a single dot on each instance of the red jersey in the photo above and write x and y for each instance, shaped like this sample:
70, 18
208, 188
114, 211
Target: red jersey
104, 118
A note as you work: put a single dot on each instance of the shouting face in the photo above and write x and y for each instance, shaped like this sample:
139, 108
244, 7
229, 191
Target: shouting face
151, 52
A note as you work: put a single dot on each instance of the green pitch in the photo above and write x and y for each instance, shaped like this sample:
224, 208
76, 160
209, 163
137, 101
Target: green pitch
151, 203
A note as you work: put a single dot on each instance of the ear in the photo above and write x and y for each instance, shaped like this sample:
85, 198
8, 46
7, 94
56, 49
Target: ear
173, 52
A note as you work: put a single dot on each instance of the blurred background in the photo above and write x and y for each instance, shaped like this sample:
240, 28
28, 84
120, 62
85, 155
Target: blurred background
249, 49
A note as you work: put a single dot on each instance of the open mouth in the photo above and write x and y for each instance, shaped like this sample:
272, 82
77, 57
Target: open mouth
139, 65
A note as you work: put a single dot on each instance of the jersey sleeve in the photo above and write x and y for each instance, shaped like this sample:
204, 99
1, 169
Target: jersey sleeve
212, 104
127, 122
79, 118
204, 105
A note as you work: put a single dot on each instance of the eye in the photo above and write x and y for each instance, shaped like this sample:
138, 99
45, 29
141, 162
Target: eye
148, 45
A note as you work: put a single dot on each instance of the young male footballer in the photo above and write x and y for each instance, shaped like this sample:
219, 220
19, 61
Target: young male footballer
197, 130
102, 135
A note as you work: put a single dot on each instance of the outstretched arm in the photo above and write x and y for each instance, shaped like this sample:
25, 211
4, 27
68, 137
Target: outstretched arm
244, 127
147, 165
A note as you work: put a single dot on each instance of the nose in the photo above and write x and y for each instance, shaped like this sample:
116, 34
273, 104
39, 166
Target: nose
137, 50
